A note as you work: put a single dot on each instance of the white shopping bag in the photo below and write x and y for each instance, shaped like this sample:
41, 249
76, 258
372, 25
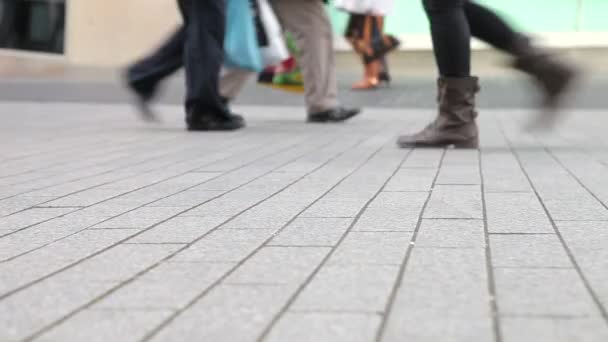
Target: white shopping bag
354, 6
276, 50
372, 7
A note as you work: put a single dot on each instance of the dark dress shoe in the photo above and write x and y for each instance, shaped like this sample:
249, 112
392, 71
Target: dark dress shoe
143, 95
235, 116
337, 114
214, 122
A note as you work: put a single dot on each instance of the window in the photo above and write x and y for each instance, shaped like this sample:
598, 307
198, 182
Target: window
36, 25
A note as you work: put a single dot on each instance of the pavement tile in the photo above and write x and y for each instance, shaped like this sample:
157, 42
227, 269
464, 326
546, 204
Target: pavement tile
362, 248
227, 313
225, 245
455, 201
180, 229
107, 325
279, 266
526, 292
524, 329
312, 232
323, 326
350, 288
528, 251
170, 286
516, 213
451, 234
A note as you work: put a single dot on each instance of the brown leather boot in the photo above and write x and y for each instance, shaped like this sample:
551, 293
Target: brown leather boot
455, 125
553, 77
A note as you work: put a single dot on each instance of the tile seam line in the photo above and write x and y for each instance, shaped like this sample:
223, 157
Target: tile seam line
139, 207
159, 328
142, 231
325, 259
120, 179
380, 332
591, 292
115, 288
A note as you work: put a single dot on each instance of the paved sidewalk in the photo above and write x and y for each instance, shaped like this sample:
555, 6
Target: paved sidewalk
111, 230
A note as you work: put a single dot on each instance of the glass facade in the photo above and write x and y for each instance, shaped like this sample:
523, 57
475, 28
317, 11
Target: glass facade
535, 16
34, 25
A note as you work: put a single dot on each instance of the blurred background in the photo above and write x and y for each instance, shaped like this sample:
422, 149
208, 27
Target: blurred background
73, 50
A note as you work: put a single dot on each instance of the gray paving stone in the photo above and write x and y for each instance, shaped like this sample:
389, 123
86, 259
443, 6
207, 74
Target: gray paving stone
348, 288
180, 229
14, 204
225, 245
528, 251
273, 213
113, 207
188, 199
461, 157
42, 262
279, 265
140, 218
171, 285
464, 174
451, 234
444, 295
120, 263
107, 325
312, 232
584, 236
362, 248
445, 329
516, 213
460, 277
392, 212
228, 313
587, 242
413, 179
502, 172
525, 292
424, 158
463, 314
84, 198
455, 201
554, 330
576, 209
41, 305
317, 327
31, 216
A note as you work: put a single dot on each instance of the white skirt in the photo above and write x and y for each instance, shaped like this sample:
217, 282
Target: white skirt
373, 7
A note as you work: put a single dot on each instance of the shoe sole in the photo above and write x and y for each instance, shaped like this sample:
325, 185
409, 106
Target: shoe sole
333, 121
469, 144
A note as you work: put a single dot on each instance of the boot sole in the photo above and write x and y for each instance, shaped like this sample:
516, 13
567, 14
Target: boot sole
469, 144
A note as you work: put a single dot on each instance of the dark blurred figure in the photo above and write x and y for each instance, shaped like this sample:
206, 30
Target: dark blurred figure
198, 45
453, 22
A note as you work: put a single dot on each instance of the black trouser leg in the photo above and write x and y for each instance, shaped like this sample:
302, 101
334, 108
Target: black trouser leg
167, 59
489, 27
203, 55
452, 24
451, 36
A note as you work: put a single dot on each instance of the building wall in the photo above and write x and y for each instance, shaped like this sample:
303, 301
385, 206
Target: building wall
113, 32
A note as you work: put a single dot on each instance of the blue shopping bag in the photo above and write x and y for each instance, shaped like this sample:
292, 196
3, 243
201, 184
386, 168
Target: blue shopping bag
241, 48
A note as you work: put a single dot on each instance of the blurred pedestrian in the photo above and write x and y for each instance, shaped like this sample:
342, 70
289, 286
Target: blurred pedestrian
365, 33
453, 22
199, 45
309, 25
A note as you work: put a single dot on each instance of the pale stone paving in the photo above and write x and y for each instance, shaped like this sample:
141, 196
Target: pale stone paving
111, 230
